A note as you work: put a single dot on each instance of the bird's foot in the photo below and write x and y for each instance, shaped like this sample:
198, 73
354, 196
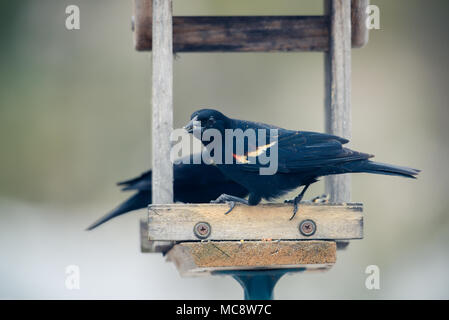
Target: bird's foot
231, 200
295, 203
297, 200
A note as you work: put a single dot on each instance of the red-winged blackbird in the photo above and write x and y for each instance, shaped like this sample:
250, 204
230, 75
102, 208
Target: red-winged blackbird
193, 183
303, 157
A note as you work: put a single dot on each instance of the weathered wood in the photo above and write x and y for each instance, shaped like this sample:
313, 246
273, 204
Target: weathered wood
267, 221
162, 102
197, 258
142, 21
359, 31
338, 88
145, 244
149, 246
244, 33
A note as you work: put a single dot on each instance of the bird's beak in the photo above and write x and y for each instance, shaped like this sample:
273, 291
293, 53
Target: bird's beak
190, 125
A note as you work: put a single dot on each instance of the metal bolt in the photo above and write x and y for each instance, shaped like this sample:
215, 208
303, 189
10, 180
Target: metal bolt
307, 227
202, 230
133, 24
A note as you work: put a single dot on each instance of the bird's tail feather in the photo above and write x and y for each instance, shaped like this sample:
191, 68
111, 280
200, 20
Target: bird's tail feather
139, 200
381, 168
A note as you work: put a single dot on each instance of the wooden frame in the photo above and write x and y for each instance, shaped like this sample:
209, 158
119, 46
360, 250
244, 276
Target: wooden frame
162, 102
176, 222
204, 258
335, 33
248, 33
359, 31
337, 63
260, 237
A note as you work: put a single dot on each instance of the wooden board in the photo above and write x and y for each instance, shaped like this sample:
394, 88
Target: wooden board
266, 221
359, 31
338, 89
150, 246
245, 33
162, 102
199, 258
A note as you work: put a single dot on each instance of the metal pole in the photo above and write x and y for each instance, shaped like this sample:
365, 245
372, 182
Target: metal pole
258, 284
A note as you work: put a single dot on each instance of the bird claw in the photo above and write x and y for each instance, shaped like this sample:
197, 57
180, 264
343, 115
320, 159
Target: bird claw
295, 203
297, 200
295, 207
231, 206
231, 200
222, 199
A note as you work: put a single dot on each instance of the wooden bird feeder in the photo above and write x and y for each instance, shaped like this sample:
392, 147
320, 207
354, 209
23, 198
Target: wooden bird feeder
256, 245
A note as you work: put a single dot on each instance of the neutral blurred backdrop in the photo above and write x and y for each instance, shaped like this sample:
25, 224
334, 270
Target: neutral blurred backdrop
75, 118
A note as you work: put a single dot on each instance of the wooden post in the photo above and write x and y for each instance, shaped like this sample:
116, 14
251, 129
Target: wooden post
162, 101
162, 104
360, 33
338, 87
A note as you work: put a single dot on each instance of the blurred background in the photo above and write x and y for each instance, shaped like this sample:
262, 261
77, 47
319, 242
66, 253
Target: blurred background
75, 118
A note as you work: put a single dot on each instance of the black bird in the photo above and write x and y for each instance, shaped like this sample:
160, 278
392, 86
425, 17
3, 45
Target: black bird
303, 157
193, 183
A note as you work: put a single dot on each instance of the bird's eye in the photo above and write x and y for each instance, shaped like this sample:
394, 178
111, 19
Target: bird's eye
210, 122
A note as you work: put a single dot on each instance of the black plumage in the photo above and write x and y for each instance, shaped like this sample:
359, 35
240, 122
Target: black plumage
193, 183
303, 157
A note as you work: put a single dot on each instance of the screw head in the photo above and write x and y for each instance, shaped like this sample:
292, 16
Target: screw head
307, 227
202, 230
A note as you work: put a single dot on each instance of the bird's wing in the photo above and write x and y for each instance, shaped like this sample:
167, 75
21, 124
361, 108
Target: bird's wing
142, 182
287, 137
315, 156
184, 175
304, 151
188, 175
137, 201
